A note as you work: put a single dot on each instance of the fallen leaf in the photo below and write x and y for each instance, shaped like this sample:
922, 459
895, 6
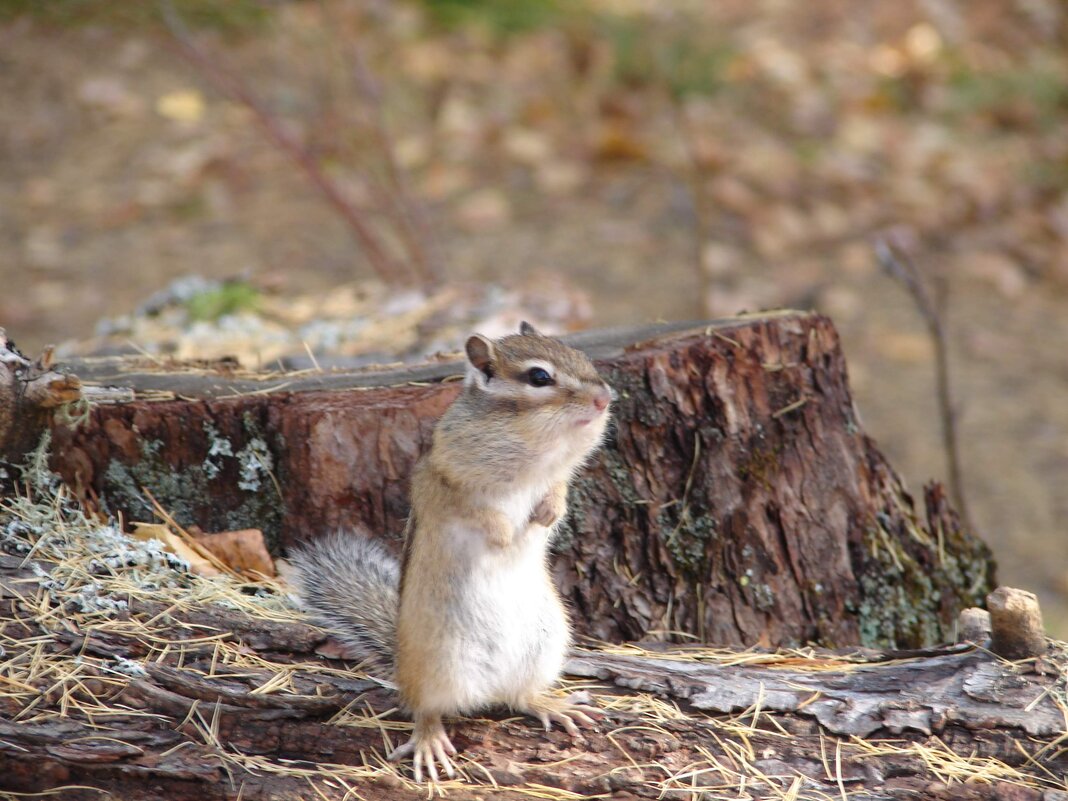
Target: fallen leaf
618, 141
182, 105
244, 551
526, 145
176, 545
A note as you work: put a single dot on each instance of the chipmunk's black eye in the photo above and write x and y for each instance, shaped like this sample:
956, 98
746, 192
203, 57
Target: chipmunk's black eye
539, 377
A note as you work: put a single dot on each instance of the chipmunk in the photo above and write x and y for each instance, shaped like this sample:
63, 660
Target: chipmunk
470, 617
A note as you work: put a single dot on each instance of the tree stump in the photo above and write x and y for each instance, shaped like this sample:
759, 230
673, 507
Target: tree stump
737, 500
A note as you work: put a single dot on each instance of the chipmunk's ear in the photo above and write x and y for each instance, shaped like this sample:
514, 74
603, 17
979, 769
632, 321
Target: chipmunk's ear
527, 330
481, 354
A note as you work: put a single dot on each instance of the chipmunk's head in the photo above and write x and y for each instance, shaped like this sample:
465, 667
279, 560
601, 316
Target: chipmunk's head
553, 389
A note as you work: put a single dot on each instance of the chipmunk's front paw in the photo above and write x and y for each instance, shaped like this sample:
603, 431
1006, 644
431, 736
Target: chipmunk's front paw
549, 710
550, 508
429, 746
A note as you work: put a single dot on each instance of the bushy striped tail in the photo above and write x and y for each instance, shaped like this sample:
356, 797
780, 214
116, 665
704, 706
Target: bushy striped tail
349, 583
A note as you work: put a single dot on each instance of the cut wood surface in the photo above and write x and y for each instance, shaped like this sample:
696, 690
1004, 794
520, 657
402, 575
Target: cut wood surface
737, 501
204, 702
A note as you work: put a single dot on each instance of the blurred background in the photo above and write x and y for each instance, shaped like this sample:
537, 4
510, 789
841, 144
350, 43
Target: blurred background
310, 180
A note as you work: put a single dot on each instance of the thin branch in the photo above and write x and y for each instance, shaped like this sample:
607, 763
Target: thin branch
230, 85
410, 213
895, 260
402, 212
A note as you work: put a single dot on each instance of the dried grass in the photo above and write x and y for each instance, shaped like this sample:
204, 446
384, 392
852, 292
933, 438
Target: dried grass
89, 577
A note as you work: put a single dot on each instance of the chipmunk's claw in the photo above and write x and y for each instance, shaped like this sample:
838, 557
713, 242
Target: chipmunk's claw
551, 710
429, 746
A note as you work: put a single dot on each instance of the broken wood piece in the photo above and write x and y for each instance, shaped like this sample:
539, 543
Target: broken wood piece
1016, 623
973, 625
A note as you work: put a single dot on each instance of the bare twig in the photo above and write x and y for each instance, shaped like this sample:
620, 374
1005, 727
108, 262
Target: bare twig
227, 82
402, 210
896, 261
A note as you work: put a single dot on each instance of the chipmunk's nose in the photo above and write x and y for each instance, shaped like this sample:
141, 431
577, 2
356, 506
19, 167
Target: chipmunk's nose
602, 398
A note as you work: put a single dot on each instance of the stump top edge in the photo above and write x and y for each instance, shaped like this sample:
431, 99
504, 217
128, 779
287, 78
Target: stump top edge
199, 380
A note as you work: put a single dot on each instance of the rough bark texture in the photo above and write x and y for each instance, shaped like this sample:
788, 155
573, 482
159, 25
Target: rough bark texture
769, 725
737, 500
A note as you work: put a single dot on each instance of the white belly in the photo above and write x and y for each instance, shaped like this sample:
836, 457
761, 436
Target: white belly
513, 633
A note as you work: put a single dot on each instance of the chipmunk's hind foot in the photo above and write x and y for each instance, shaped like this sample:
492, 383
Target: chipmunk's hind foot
429, 746
549, 709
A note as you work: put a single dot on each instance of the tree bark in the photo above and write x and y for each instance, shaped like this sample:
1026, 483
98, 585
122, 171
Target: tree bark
950, 723
737, 500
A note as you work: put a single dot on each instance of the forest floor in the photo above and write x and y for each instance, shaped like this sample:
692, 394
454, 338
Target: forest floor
656, 161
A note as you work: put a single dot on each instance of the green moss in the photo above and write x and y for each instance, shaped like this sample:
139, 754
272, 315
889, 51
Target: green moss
230, 298
687, 534
902, 589
1033, 92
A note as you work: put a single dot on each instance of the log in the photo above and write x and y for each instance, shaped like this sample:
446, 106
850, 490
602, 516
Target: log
193, 702
737, 501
